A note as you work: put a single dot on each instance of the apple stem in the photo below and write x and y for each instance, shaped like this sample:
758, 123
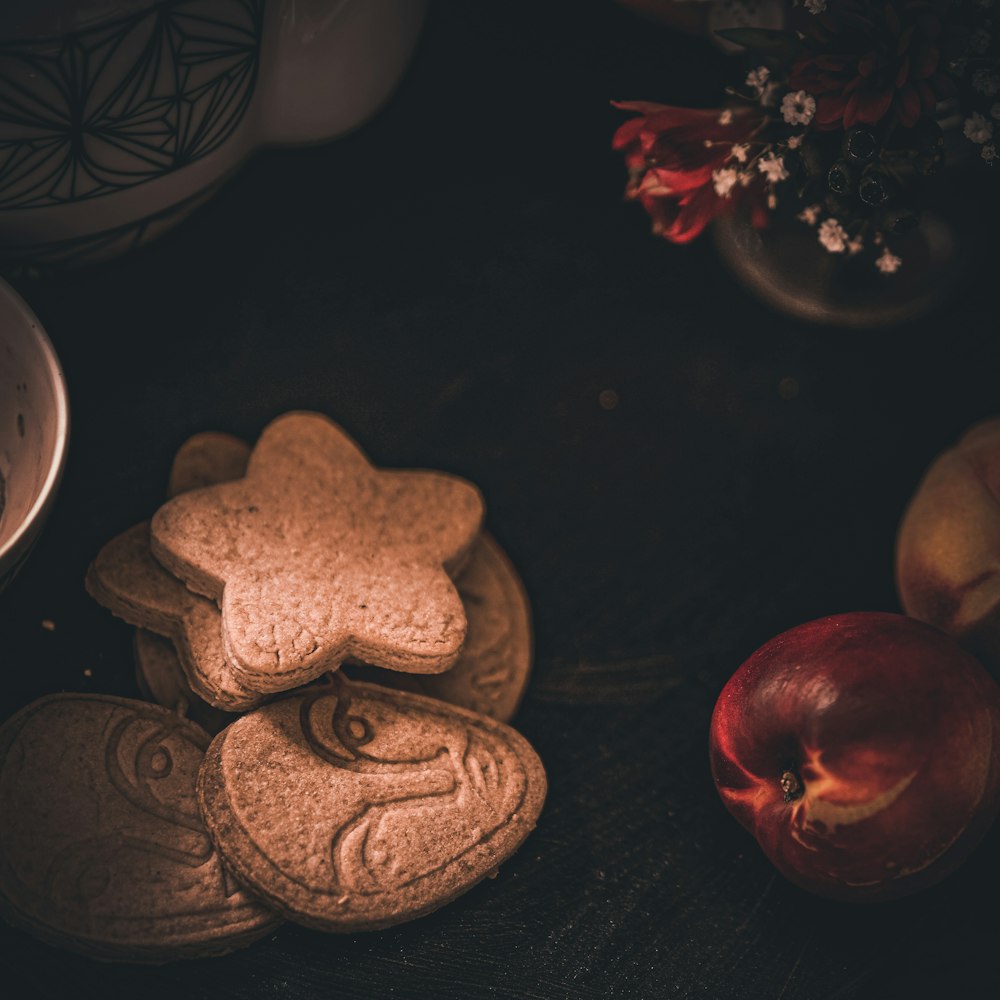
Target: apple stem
791, 785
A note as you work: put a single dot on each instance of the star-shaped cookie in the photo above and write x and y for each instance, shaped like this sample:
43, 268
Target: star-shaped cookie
315, 556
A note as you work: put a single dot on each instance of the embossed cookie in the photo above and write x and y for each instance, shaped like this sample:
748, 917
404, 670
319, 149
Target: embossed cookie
492, 671
161, 678
353, 807
102, 848
315, 556
127, 580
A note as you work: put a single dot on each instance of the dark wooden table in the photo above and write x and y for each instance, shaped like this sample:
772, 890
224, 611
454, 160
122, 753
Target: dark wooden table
678, 473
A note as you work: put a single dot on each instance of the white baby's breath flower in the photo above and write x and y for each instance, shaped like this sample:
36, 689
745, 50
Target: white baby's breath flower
794, 141
741, 151
855, 246
810, 214
756, 78
724, 181
985, 82
888, 263
989, 153
833, 236
815, 6
726, 116
798, 108
977, 128
772, 167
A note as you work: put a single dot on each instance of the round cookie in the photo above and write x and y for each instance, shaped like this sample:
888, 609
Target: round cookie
102, 848
492, 672
127, 580
131, 584
205, 459
353, 807
160, 677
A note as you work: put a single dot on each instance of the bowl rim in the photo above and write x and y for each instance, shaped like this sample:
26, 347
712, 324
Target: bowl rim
46, 493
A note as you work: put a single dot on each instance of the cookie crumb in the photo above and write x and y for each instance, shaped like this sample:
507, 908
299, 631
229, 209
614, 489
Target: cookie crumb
48, 624
788, 388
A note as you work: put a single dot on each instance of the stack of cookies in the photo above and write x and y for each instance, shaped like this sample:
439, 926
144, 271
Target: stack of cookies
356, 643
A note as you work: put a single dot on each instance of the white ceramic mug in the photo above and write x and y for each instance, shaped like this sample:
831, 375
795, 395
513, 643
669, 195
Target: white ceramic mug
118, 117
34, 430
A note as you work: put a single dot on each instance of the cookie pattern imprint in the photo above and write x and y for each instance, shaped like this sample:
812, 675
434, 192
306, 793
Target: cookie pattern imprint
103, 849
354, 807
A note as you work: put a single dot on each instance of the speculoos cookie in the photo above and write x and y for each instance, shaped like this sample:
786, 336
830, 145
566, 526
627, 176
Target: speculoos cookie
493, 669
102, 849
127, 580
353, 807
490, 676
161, 678
315, 556
205, 459
130, 583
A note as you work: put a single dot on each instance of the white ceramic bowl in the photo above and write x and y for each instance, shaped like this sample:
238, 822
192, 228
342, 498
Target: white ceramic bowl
34, 430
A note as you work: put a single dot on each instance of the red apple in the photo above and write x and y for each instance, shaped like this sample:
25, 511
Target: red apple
948, 547
863, 753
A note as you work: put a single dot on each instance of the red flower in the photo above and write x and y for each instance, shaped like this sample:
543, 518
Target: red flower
672, 154
871, 59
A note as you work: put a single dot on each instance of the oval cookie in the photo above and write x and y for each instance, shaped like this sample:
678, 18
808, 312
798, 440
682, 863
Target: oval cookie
102, 848
353, 807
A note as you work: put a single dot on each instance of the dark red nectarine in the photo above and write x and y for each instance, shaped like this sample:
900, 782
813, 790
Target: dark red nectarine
863, 753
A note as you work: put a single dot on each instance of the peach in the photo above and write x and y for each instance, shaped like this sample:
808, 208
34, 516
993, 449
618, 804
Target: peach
948, 546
